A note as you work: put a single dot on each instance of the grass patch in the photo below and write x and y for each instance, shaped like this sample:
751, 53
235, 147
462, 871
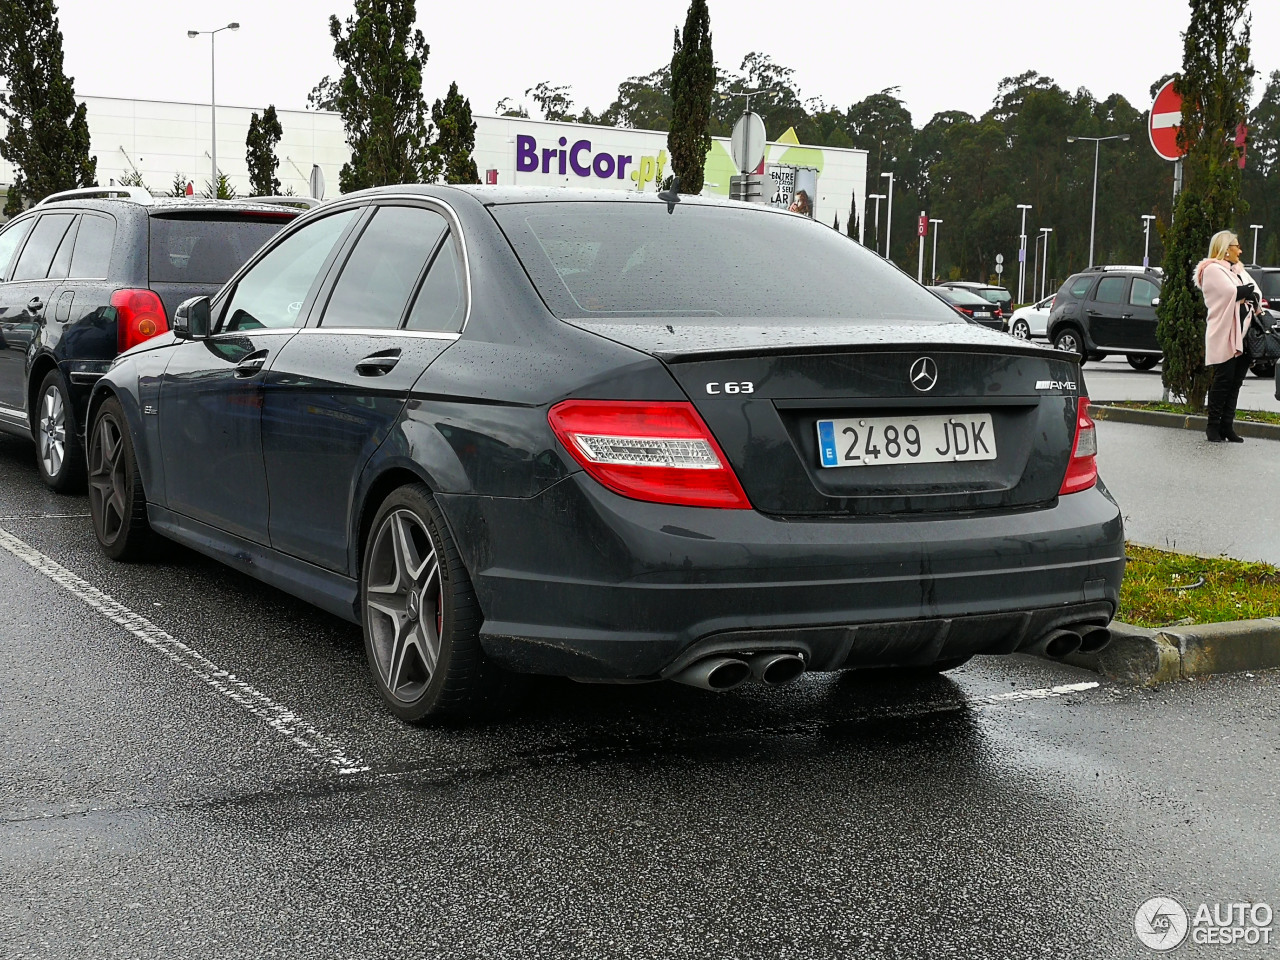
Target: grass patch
1254, 416
1161, 589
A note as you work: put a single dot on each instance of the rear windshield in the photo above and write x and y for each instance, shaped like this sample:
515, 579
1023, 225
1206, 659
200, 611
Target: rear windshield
1269, 283
207, 250
994, 296
960, 295
623, 259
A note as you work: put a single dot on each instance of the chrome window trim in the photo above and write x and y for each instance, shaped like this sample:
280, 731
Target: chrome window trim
381, 332
255, 332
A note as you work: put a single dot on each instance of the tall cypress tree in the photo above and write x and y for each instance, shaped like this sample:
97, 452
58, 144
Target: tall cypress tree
380, 94
260, 151
47, 139
1215, 84
451, 157
693, 81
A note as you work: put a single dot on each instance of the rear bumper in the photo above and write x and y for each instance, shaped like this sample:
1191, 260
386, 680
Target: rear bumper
581, 582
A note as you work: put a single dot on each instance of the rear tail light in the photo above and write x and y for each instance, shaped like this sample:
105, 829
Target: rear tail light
1082, 472
139, 317
659, 452
999, 314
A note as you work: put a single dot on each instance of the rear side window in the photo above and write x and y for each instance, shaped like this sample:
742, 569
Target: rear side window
1111, 290
37, 255
383, 269
207, 250
10, 240
1143, 292
62, 259
442, 299
634, 259
1080, 286
92, 257
1269, 282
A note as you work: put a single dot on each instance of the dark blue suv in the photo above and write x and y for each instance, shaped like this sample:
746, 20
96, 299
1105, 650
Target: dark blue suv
87, 274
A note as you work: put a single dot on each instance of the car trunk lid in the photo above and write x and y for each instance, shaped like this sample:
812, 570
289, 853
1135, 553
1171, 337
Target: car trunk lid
765, 389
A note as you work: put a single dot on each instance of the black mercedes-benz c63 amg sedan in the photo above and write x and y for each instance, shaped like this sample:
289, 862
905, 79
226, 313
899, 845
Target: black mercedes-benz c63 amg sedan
612, 437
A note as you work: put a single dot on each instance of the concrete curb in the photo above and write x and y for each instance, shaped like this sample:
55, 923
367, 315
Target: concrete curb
1147, 658
1157, 418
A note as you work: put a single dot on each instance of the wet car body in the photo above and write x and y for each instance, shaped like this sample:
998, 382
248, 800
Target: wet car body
280, 474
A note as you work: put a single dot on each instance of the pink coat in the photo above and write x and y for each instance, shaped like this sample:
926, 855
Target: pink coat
1223, 332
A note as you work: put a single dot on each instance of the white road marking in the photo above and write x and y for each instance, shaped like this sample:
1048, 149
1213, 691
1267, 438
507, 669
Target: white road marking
50, 516
244, 695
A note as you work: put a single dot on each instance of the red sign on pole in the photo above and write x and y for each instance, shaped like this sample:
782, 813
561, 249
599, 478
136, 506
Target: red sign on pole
923, 229
1165, 121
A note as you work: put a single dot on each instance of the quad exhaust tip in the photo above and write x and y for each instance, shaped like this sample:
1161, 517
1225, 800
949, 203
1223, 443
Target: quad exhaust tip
1056, 644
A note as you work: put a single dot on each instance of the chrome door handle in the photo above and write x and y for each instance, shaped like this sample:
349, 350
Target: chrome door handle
251, 364
378, 364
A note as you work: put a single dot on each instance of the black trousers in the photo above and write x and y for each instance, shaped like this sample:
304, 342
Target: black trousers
1224, 392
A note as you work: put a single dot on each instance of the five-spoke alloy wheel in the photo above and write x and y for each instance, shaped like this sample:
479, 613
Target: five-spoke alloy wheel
116, 501
58, 452
1021, 329
421, 618
1068, 340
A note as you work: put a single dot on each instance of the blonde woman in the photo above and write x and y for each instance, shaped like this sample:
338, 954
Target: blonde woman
1231, 296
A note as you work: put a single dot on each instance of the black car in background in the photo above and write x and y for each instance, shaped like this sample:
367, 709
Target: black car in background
997, 295
611, 436
1106, 310
1268, 280
83, 278
973, 307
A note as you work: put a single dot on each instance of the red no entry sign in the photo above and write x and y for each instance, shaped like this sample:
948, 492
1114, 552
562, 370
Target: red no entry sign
1165, 121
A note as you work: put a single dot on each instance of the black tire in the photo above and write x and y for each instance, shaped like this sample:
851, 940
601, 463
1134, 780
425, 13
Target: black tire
1266, 369
1142, 361
420, 615
1021, 329
59, 453
117, 502
1069, 339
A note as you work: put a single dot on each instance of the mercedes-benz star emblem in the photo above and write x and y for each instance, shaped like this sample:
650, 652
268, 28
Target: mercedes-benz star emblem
924, 374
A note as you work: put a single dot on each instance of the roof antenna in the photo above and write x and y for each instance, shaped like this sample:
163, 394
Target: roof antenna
671, 195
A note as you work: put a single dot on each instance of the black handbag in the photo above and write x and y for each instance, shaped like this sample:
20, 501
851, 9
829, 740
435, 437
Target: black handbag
1262, 339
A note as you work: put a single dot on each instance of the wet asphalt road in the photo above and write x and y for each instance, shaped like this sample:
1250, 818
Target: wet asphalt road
209, 774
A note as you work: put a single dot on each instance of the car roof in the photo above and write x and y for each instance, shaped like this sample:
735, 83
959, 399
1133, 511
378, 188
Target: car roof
972, 285
169, 205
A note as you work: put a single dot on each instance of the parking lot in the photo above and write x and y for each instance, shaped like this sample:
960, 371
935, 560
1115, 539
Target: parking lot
194, 764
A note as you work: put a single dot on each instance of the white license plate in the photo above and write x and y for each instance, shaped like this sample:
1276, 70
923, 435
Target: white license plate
982, 314
877, 441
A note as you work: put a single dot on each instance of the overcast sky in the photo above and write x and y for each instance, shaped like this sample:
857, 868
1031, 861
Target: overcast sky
943, 54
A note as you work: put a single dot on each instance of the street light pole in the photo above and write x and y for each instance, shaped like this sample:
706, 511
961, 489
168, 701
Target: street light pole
934, 272
1255, 227
1022, 253
1093, 217
1146, 238
1044, 270
213, 96
877, 197
888, 226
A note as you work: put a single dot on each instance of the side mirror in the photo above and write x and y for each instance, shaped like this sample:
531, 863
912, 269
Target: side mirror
1155, 301
191, 319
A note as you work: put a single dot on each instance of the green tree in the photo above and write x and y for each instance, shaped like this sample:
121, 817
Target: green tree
693, 81
643, 103
506, 108
260, 151
456, 138
380, 94
47, 132
324, 96
225, 190
179, 186
1215, 83
554, 101
1262, 171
